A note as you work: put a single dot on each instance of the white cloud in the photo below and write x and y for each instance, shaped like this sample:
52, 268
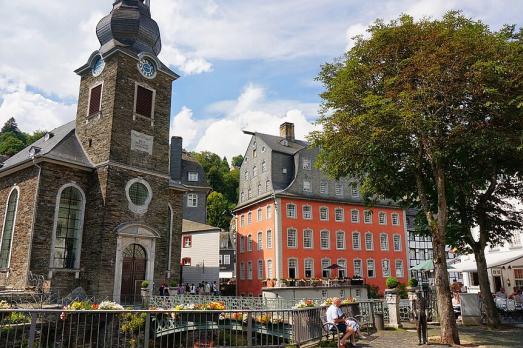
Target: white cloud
250, 111
356, 30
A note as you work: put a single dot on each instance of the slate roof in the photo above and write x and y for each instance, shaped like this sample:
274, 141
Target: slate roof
193, 226
276, 143
62, 145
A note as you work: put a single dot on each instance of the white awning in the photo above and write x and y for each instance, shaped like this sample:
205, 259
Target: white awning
494, 259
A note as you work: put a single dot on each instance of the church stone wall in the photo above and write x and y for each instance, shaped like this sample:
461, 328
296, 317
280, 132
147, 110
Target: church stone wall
26, 180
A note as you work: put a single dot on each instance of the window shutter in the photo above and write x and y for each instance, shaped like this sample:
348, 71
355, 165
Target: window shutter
94, 102
144, 102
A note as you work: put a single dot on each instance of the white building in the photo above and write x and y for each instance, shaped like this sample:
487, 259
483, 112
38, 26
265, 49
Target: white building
200, 253
505, 266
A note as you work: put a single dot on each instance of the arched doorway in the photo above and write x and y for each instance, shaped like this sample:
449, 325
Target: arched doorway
134, 265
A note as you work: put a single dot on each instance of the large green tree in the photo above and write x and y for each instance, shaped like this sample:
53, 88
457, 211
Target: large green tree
12, 140
399, 107
219, 210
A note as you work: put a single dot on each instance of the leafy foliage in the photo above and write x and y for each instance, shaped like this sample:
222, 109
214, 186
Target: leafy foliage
219, 210
392, 283
12, 140
413, 282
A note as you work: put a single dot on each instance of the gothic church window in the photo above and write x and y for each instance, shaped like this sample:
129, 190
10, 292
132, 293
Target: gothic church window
9, 226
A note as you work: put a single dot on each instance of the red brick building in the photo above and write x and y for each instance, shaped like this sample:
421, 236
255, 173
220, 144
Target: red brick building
294, 221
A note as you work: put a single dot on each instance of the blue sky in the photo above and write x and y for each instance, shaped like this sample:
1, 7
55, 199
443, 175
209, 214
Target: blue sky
245, 64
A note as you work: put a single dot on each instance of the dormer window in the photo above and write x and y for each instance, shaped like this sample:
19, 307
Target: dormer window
285, 142
307, 164
48, 136
95, 100
144, 101
33, 151
192, 176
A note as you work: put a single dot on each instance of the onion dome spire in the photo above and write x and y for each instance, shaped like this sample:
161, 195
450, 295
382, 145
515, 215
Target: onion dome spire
129, 25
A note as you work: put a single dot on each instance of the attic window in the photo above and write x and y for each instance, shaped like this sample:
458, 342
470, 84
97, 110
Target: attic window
48, 136
285, 142
144, 102
95, 100
33, 151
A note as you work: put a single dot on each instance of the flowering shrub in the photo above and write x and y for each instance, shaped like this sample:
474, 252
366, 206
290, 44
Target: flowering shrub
327, 302
268, 319
80, 306
234, 316
305, 304
211, 306
110, 306
348, 300
4, 305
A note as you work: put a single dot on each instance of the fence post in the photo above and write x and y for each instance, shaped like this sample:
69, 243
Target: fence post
32, 331
147, 330
249, 329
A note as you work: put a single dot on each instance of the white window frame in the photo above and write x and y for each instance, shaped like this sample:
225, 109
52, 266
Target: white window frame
192, 200
311, 239
367, 216
305, 217
325, 261
360, 274
295, 232
269, 269
10, 252
395, 216
354, 216
291, 213
324, 187
249, 218
297, 271
307, 186
305, 268
369, 268
382, 218
226, 259
328, 234
344, 240
338, 188
260, 269
326, 209
264, 167
371, 248
242, 244
307, 164
340, 262
399, 242
358, 235
269, 212
385, 274
355, 192
402, 273
192, 176
259, 240
386, 246
249, 270
269, 239
259, 216
249, 242
242, 220
340, 218
242, 271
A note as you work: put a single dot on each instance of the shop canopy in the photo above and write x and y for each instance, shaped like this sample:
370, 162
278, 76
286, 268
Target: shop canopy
427, 266
494, 259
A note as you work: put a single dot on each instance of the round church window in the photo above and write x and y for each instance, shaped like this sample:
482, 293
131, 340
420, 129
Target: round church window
139, 194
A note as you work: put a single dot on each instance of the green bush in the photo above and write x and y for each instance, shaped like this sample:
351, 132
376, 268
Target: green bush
145, 284
402, 291
392, 283
174, 284
373, 292
413, 282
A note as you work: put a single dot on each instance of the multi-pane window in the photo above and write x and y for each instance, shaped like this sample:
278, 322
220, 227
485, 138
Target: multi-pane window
293, 268
249, 270
242, 221
397, 242
269, 212
242, 244
264, 167
367, 216
259, 215
259, 189
307, 186
358, 268
370, 269
249, 242
382, 218
342, 270
369, 241
186, 261
355, 190
260, 269
192, 176
192, 200
269, 239
307, 239
307, 164
399, 268
325, 240
254, 171
7, 233
325, 272
226, 259
355, 216
260, 241
246, 175
242, 271
385, 268
267, 186
307, 212
356, 241
249, 218
324, 214
144, 101
308, 268
292, 238
340, 240
95, 100
338, 188
324, 187
187, 241
291, 211
518, 277
339, 214
249, 193
395, 219
68, 229
384, 242
269, 269
242, 197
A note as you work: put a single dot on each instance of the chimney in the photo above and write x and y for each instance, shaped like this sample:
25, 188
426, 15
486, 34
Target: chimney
287, 131
176, 158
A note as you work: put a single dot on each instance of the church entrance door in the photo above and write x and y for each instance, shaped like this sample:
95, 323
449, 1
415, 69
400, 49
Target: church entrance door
134, 266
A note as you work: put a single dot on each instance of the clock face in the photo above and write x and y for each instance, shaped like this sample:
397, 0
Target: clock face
98, 66
147, 68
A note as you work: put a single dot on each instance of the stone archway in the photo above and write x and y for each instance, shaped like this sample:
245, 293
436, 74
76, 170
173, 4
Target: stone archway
135, 256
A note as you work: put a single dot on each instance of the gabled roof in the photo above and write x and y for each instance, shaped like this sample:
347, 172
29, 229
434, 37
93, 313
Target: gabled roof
276, 143
193, 226
61, 145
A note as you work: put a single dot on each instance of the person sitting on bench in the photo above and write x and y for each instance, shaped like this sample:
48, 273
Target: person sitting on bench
336, 317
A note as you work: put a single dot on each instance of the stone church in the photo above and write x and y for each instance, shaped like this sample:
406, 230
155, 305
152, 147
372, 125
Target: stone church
93, 203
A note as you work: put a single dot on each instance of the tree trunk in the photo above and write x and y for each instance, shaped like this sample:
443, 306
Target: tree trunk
493, 320
448, 327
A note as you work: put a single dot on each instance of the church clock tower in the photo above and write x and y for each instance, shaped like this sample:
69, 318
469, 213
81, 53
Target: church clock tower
122, 123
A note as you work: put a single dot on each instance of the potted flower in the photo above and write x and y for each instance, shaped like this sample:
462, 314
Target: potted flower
412, 284
392, 284
316, 282
301, 282
145, 289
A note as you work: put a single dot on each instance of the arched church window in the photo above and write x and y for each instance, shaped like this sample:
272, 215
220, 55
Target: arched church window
68, 228
9, 226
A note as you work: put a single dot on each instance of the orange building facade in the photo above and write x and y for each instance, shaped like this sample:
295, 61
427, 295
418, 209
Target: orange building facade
297, 238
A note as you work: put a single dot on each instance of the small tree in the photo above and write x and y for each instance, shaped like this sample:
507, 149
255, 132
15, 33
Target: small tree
10, 126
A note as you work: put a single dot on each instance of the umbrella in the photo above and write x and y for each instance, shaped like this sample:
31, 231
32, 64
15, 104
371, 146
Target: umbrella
333, 266
427, 266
